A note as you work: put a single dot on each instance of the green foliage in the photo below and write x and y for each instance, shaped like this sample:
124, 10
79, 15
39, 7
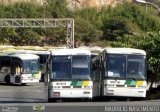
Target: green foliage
128, 18
90, 14
58, 8
113, 28
50, 36
21, 10
129, 41
91, 25
27, 37
85, 31
151, 45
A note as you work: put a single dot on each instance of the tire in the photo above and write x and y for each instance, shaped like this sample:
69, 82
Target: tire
7, 79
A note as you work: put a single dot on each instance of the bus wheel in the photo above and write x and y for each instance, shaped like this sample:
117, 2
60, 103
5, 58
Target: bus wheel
7, 79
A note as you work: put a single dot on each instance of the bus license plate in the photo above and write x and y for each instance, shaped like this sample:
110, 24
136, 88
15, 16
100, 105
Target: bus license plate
57, 94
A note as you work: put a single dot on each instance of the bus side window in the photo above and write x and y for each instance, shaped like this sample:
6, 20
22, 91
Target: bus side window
18, 69
5, 65
5, 70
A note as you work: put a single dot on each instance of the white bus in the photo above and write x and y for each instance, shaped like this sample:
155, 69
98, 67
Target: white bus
43, 57
120, 72
70, 74
19, 68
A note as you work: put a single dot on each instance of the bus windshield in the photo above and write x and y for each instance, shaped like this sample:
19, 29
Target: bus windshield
125, 66
81, 67
116, 65
135, 67
61, 67
30, 66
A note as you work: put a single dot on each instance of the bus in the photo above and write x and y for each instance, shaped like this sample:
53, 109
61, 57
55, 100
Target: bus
70, 74
6, 48
19, 68
119, 72
43, 57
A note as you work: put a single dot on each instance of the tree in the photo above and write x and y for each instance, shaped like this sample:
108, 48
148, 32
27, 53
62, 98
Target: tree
85, 31
58, 8
113, 28
8, 36
28, 37
126, 40
151, 45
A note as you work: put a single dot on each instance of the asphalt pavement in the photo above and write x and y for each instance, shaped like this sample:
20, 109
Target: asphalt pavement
34, 92
33, 97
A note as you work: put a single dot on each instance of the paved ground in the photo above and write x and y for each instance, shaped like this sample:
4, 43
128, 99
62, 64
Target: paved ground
28, 93
33, 97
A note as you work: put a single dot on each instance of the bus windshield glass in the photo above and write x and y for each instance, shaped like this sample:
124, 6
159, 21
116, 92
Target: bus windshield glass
81, 67
125, 66
115, 65
61, 67
31, 66
136, 67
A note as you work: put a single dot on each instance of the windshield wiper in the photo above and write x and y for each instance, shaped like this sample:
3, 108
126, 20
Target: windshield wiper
133, 78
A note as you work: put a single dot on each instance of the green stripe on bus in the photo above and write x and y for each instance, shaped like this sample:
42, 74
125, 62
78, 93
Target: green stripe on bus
79, 83
127, 82
130, 82
33, 75
73, 83
76, 83
133, 83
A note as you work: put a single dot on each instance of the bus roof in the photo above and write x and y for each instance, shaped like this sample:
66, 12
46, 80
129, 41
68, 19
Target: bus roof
21, 56
75, 51
35, 52
30, 48
29, 52
124, 51
7, 46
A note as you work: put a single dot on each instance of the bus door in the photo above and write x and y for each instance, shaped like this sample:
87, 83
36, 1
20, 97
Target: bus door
16, 70
4, 68
43, 67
